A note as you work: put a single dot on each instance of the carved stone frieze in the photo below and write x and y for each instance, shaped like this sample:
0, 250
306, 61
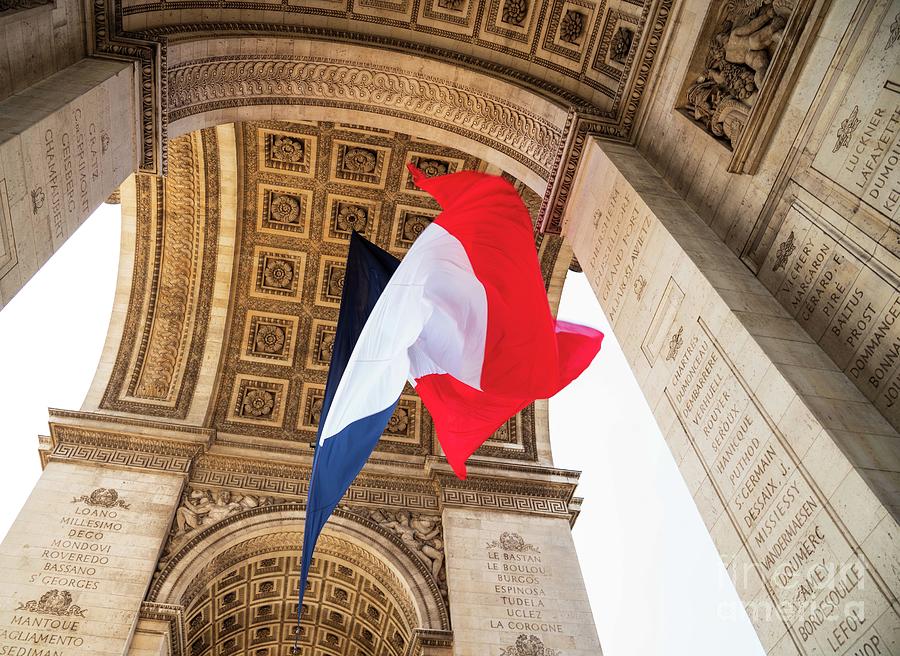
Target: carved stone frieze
75, 443
736, 77
272, 479
177, 224
201, 85
422, 533
201, 508
520, 494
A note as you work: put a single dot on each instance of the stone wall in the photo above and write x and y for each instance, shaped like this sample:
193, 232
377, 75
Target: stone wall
77, 561
515, 586
793, 471
65, 144
38, 40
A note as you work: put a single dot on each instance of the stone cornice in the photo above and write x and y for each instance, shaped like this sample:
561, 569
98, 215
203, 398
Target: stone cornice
431, 641
429, 486
108, 441
172, 616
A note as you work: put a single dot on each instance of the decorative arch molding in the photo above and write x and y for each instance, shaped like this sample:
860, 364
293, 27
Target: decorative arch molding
162, 344
241, 78
277, 528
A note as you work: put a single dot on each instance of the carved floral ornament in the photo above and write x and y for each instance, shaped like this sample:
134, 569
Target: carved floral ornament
359, 160
284, 209
510, 541
620, 45
278, 273
102, 497
352, 217
571, 27
514, 12
269, 338
286, 149
746, 36
529, 645
53, 602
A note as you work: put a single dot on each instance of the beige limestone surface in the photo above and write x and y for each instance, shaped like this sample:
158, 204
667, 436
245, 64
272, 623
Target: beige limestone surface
65, 144
513, 575
793, 470
76, 563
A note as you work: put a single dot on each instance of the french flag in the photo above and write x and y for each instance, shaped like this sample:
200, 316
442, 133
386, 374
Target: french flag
464, 317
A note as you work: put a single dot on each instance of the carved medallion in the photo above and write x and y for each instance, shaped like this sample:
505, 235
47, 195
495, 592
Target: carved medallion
675, 344
529, 645
37, 199
785, 249
639, 286
513, 542
102, 497
54, 602
845, 132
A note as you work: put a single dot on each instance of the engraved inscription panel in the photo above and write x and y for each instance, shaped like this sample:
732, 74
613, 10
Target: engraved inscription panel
524, 573
76, 564
847, 304
794, 520
862, 150
811, 569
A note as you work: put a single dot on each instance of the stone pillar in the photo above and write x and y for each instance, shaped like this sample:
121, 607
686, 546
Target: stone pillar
77, 562
793, 471
66, 143
514, 580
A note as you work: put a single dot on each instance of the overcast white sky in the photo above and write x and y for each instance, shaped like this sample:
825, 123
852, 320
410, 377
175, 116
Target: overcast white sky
656, 583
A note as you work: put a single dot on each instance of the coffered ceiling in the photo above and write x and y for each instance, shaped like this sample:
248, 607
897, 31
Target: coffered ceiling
582, 51
299, 190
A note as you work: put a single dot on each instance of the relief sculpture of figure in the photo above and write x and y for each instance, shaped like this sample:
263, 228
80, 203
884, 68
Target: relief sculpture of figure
428, 531
754, 43
737, 61
202, 508
193, 511
421, 533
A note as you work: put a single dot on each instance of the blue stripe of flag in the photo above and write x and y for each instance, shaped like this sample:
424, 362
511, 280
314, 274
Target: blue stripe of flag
338, 461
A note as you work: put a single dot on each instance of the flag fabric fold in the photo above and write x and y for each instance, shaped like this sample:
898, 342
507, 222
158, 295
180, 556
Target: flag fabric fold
526, 354
339, 459
464, 317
